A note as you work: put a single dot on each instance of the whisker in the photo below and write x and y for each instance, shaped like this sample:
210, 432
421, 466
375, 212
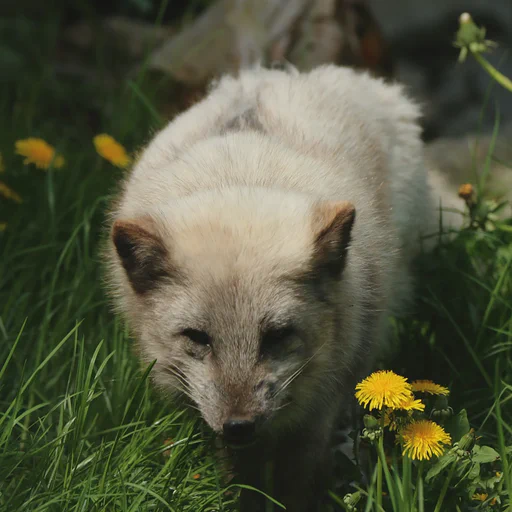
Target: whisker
185, 387
282, 406
183, 390
294, 375
178, 377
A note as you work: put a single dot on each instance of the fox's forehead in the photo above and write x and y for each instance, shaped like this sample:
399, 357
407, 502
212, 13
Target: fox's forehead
232, 300
226, 253
242, 302
234, 280
233, 233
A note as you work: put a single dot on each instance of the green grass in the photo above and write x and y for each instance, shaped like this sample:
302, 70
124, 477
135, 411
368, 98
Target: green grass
80, 427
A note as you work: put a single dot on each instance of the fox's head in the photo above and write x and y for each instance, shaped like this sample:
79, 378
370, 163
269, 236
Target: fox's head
234, 294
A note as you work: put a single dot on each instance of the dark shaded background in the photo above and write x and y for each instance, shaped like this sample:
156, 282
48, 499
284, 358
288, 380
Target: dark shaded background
419, 33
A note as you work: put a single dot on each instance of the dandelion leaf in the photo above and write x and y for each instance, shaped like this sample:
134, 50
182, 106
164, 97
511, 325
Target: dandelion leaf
458, 426
474, 472
485, 454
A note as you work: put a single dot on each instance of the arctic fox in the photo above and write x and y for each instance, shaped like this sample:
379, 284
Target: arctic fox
257, 250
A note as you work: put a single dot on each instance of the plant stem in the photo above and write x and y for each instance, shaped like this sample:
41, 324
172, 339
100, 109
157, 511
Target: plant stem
387, 474
499, 77
406, 483
445, 487
379, 471
507, 480
419, 488
269, 479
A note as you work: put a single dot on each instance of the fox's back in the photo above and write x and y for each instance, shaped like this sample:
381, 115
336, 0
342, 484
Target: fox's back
271, 128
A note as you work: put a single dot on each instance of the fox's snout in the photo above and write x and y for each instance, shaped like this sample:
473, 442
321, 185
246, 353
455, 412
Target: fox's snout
239, 432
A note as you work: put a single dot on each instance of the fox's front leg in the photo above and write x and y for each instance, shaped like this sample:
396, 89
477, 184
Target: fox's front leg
303, 467
249, 466
294, 469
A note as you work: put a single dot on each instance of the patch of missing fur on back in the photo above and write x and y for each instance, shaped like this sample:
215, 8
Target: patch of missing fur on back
247, 120
142, 253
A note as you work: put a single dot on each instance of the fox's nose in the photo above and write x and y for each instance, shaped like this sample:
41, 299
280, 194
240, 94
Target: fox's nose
239, 432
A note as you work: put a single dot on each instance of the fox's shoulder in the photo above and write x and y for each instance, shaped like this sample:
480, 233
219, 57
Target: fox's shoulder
329, 103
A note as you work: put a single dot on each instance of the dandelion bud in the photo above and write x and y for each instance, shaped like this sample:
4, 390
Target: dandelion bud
441, 410
442, 414
466, 191
370, 422
465, 18
467, 441
371, 435
351, 500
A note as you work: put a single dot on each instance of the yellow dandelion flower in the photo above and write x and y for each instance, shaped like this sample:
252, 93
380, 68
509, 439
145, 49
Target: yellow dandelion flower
197, 476
427, 386
424, 439
39, 153
479, 497
410, 404
9, 193
383, 389
111, 150
2, 166
407, 406
493, 501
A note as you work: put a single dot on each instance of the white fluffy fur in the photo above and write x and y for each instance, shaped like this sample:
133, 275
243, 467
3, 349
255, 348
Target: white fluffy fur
233, 187
332, 133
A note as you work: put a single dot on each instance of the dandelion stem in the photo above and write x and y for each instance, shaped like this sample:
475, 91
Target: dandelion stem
379, 471
419, 489
440, 500
406, 482
384, 467
499, 77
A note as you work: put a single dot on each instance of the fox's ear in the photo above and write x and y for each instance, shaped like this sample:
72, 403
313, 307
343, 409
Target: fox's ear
141, 252
332, 227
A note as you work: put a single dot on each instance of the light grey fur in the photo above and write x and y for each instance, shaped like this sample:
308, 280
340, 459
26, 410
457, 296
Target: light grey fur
237, 189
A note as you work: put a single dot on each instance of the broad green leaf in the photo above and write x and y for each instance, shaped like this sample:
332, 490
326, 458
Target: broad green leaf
458, 426
474, 471
484, 454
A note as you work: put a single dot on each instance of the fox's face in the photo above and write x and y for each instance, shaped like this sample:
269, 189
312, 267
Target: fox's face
237, 311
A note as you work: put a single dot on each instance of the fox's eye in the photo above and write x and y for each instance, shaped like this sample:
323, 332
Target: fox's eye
199, 337
272, 338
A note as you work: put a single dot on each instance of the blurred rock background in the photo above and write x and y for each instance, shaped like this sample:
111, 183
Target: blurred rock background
420, 35
407, 40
